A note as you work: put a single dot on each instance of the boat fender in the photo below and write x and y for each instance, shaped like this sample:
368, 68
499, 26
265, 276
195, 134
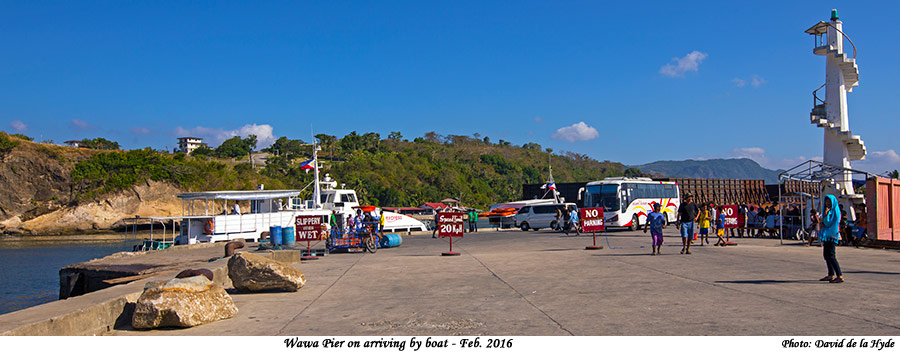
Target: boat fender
198, 272
208, 227
231, 246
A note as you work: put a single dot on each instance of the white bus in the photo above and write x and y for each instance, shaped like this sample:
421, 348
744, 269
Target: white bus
627, 201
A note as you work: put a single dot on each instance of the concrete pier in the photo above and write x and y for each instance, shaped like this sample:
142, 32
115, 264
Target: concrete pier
538, 283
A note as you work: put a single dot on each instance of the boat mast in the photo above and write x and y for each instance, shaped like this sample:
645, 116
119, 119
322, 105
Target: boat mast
316, 189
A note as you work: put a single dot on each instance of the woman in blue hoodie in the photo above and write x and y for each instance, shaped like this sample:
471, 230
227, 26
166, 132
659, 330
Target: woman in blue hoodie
829, 236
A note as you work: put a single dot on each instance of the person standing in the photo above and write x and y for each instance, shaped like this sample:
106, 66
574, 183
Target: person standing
573, 221
473, 220
742, 219
656, 222
829, 235
813, 228
720, 226
436, 213
687, 215
704, 220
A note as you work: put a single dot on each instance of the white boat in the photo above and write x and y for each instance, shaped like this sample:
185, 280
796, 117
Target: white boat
267, 208
345, 203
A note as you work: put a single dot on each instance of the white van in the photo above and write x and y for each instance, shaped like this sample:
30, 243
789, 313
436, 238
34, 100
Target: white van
541, 216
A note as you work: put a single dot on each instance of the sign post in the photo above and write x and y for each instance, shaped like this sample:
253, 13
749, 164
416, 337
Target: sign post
308, 228
592, 221
450, 225
732, 220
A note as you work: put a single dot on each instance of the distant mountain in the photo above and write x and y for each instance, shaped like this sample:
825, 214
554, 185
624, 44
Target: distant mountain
739, 168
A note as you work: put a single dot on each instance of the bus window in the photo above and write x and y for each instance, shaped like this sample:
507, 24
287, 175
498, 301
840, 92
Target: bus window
606, 196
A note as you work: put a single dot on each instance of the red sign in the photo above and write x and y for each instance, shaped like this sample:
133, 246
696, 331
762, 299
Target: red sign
450, 224
732, 217
592, 219
308, 227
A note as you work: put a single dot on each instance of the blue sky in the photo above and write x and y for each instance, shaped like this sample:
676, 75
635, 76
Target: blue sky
594, 78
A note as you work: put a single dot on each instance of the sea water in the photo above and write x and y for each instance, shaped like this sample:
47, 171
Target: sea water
29, 270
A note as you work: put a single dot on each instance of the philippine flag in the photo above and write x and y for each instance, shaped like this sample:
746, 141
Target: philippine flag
307, 165
551, 186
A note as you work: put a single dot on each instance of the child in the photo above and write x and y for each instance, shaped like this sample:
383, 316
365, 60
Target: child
720, 226
656, 223
704, 224
813, 228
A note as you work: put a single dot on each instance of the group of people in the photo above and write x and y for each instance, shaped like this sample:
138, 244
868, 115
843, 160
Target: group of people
829, 228
359, 222
691, 218
567, 219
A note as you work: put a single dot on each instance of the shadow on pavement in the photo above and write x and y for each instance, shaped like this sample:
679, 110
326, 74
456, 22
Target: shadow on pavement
771, 281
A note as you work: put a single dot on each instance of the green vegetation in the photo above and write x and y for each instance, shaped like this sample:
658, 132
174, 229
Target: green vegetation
99, 144
6, 144
236, 147
388, 172
22, 136
113, 171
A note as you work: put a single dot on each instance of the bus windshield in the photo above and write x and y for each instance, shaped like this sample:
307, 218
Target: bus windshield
606, 196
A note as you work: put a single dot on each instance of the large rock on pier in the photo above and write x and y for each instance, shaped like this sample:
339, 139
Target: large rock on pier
253, 273
182, 302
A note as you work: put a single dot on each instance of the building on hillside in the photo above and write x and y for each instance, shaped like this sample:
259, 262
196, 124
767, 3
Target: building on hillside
73, 143
189, 144
433, 207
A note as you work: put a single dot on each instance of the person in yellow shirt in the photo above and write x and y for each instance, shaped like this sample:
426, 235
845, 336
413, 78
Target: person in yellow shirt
704, 224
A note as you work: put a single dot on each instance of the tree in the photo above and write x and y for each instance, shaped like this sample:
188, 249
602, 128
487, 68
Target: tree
203, 151
286, 147
236, 147
532, 146
895, 174
99, 144
21, 136
395, 135
633, 173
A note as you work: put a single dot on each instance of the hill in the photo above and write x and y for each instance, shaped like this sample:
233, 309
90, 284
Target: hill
738, 168
55, 189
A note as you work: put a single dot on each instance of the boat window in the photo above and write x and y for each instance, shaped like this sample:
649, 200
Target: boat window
326, 198
348, 198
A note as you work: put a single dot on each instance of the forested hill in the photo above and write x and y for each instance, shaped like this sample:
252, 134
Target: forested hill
389, 171
398, 172
738, 168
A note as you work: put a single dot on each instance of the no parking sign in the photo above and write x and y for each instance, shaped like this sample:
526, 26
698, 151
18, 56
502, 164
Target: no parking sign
592, 219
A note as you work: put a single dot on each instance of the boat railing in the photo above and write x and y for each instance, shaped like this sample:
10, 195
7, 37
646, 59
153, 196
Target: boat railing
150, 244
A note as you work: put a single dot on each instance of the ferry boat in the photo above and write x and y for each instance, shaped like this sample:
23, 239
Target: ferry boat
267, 208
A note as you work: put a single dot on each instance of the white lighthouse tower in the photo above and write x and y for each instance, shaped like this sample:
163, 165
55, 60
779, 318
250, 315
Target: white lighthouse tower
841, 75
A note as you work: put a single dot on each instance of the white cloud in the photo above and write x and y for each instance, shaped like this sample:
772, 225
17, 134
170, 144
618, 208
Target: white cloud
757, 81
878, 162
677, 68
576, 132
79, 124
18, 125
215, 136
140, 130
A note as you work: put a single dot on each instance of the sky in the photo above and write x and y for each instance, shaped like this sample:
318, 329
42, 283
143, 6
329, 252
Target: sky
632, 82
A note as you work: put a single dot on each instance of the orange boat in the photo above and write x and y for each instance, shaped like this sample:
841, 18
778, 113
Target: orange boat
499, 212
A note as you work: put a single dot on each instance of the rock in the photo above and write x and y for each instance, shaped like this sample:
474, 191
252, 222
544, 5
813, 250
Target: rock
253, 273
182, 302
